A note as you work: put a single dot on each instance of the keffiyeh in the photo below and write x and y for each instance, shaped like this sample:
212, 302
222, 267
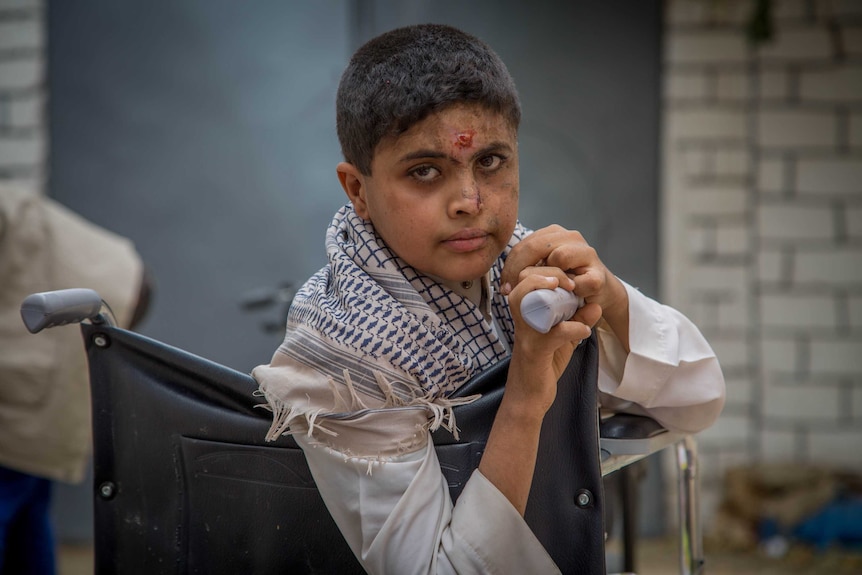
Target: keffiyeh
369, 332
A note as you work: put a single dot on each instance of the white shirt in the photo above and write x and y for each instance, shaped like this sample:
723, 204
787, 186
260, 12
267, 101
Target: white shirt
397, 516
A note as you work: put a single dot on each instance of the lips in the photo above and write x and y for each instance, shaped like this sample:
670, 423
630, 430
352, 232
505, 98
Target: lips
467, 240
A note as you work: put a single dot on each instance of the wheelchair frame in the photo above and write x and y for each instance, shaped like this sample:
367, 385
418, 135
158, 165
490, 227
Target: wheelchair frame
623, 439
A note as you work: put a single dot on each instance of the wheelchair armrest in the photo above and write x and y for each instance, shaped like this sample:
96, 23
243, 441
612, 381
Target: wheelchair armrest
625, 438
61, 307
628, 426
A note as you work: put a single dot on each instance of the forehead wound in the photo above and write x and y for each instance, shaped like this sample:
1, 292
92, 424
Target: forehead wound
464, 139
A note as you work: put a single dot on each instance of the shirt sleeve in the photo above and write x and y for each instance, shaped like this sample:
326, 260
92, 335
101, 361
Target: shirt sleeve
397, 516
670, 373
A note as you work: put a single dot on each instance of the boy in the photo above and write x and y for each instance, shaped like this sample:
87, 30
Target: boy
427, 268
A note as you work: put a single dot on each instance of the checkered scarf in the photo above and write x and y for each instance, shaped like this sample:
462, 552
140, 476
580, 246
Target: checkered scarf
369, 314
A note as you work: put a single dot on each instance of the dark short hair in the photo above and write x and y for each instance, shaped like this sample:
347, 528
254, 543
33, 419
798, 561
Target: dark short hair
400, 77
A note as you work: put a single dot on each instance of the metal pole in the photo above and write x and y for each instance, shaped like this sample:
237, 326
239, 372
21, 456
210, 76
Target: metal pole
691, 542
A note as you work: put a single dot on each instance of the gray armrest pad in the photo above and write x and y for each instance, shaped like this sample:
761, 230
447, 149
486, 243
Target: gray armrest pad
627, 426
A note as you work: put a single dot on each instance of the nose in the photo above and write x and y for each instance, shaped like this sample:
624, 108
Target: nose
467, 197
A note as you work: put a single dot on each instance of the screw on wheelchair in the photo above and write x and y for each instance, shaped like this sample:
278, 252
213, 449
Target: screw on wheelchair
184, 481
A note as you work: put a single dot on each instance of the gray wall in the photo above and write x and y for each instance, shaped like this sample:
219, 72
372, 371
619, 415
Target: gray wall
204, 131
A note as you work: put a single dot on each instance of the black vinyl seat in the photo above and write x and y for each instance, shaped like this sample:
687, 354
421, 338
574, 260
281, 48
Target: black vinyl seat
186, 484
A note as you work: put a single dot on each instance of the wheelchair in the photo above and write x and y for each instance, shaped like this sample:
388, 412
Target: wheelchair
185, 483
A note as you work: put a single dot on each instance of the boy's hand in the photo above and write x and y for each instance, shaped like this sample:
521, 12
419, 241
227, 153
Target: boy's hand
539, 360
556, 248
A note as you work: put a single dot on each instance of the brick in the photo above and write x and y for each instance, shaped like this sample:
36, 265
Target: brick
794, 222
855, 315
853, 222
685, 85
732, 162
836, 267
17, 4
716, 278
701, 241
789, 10
779, 355
856, 402
740, 390
686, 12
20, 74
728, 429
796, 129
852, 38
771, 175
733, 239
854, 130
734, 13
799, 45
21, 151
34, 182
733, 313
839, 447
731, 13
733, 352
801, 402
695, 162
25, 112
701, 312
770, 266
779, 445
837, 357
733, 86
706, 124
773, 85
830, 176
21, 34
706, 47
836, 8
842, 84
800, 312
716, 200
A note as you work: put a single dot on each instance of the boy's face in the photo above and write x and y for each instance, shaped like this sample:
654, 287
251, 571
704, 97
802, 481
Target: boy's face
444, 194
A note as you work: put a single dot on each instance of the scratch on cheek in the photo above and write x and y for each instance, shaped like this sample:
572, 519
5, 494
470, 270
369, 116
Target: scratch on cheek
476, 197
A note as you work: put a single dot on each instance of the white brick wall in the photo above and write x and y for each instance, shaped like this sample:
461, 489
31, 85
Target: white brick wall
762, 185
23, 129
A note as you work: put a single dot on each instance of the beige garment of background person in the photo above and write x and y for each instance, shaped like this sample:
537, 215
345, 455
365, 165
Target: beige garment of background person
44, 384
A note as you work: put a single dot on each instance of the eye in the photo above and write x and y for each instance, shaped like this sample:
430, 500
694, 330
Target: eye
491, 162
424, 173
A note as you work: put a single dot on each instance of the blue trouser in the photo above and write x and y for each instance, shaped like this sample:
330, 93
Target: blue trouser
26, 536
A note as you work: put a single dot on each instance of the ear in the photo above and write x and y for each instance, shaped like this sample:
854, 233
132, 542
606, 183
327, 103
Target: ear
353, 182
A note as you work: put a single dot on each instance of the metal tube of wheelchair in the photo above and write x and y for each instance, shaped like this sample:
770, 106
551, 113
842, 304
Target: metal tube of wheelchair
691, 542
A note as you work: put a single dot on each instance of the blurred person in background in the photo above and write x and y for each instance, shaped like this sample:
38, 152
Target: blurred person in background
45, 432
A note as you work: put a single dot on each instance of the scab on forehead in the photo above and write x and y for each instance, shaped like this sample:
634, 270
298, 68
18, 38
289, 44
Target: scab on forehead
464, 139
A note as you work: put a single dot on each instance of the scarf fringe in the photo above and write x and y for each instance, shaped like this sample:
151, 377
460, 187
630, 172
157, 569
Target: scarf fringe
284, 415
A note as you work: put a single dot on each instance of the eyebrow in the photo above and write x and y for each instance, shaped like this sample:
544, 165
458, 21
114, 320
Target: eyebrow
437, 154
